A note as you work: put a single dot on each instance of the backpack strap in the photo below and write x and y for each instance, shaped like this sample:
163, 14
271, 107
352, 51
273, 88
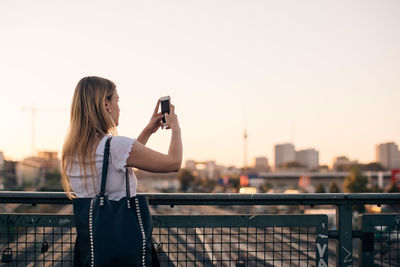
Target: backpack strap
104, 175
128, 195
105, 168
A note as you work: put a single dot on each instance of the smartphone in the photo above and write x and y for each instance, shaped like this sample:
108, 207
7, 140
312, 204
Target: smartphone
165, 102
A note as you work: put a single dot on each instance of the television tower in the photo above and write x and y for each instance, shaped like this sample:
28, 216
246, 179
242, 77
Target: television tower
245, 147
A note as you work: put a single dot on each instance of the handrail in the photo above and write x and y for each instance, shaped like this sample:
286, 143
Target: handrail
24, 197
343, 202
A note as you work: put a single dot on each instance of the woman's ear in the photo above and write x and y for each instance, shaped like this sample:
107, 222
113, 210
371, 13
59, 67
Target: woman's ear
107, 105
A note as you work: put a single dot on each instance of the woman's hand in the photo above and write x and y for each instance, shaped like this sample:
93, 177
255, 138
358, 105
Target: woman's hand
152, 127
155, 121
171, 119
146, 159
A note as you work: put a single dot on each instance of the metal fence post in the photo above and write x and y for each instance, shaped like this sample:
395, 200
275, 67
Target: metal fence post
366, 244
344, 246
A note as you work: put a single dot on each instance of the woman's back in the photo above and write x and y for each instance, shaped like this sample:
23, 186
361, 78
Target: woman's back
120, 147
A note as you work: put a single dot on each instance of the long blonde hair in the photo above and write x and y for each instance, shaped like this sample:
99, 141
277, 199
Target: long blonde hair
88, 118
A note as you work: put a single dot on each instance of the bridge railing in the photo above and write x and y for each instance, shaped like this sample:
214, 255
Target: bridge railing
220, 240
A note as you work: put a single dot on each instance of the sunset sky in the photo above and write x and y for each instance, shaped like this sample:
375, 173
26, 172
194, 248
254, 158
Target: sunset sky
320, 74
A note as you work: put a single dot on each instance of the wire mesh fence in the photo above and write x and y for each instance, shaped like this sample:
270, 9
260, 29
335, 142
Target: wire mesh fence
236, 240
37, 240
264, 240
380, 244
269, 246
207, 240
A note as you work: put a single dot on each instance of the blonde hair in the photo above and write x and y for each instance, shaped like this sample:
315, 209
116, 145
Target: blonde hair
88, 118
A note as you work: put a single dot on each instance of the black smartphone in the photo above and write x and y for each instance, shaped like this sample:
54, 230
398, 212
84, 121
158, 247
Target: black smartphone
165, 101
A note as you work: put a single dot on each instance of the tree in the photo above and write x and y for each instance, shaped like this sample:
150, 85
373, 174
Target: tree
52, 182
349, 167
208, 185
234, 181
374, 167
393, 188
320, 188
334, 188
292, 165
376, 189
323, 168
356, 182
186, 178
264, 188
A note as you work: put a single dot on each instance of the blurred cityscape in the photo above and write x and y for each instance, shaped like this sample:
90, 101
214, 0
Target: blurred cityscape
294, 171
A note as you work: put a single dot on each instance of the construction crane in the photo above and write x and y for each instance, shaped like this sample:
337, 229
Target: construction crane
34, 112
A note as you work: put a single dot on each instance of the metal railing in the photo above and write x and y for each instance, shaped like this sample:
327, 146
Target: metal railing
380, 241
223, 240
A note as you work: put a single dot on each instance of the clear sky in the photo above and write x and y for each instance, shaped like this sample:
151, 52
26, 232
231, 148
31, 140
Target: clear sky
321, 74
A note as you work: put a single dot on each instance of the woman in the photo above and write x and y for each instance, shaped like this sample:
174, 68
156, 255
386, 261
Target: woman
94, 118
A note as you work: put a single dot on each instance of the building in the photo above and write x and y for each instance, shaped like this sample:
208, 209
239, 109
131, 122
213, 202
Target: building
308, 158
204, 169
284, 153
230, 171
1, 160
261, 164
388, 155
280, 181
28, 172
31, 170
207, 170
1, 171
190, 165
49, 161
341, 161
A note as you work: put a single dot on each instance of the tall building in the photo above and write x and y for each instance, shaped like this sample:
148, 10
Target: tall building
388, 155
210, 169
308, 158
1, 160
261, 164
1, 170
284, 153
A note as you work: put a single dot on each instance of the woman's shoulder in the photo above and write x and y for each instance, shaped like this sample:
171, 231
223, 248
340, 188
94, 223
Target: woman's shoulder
120, 149
118, 140
121, 144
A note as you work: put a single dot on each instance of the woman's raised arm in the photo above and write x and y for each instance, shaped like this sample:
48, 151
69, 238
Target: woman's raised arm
146, 159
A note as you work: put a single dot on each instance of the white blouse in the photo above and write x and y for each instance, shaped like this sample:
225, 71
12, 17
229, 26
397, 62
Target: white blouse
120, 148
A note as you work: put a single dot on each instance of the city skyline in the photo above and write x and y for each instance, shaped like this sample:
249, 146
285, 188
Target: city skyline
308, 158
318, 75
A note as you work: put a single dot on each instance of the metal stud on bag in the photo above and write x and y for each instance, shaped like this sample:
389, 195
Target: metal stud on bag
91, 233
7, 255
142, 230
